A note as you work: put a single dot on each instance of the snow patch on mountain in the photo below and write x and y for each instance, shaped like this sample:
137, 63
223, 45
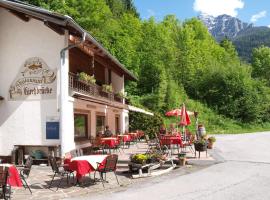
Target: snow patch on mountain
223, 25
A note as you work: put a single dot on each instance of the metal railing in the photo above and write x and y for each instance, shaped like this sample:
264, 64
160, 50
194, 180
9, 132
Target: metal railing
91, 89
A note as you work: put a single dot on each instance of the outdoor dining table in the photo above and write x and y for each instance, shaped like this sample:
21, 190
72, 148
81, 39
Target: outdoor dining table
171, 139
125, 138
85, 164
110, 141
13, 176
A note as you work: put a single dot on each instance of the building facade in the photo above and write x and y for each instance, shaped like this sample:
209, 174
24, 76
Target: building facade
55, 81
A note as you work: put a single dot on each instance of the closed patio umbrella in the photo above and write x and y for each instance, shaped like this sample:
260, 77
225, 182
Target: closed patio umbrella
185, 120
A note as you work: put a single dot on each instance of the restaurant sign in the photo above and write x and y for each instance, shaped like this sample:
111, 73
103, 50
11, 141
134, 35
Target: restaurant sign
35, 81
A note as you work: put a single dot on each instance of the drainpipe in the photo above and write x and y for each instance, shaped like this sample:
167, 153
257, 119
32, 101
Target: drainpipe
66, 126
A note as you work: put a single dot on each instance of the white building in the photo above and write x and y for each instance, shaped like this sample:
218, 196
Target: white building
43, 102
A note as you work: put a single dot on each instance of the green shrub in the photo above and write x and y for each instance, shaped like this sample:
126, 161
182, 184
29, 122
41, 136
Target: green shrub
147, 123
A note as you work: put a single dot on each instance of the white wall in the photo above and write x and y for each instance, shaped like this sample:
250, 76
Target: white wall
23, 122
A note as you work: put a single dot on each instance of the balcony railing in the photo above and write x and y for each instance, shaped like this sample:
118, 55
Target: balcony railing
91, 89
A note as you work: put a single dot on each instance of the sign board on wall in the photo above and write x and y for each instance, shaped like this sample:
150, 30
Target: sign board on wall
35, 81
52, 130
52, 127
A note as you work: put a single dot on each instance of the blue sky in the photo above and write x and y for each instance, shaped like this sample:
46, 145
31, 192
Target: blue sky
251, 11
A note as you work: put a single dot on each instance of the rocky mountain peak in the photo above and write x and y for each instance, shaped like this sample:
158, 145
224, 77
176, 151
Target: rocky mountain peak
224, 25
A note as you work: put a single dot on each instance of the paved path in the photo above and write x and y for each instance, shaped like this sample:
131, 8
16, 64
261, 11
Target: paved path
242, 173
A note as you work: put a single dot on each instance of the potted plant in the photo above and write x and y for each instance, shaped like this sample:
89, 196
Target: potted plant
146, 158
200, 145
155, 157
211, 141
87, 78
83, 77
121, 94
182, 159
139, 158
107, 88
91, 79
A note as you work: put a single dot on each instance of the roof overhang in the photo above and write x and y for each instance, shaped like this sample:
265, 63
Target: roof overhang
136, 109
59, 23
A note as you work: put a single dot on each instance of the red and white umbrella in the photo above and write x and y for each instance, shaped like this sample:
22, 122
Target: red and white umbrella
177, 112
185, 120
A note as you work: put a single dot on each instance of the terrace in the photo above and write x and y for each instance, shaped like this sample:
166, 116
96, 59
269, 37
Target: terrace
40, 177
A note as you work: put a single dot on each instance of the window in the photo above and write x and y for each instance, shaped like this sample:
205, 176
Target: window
100, 124
117, 127
80, 125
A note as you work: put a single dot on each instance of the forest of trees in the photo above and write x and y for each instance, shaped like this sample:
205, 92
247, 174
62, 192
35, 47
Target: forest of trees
251, 38
177, 61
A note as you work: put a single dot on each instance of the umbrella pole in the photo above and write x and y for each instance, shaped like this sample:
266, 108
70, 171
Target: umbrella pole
184, 133
197, 131
178, 124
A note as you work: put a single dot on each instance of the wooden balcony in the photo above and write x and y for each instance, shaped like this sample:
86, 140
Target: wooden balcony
92, 90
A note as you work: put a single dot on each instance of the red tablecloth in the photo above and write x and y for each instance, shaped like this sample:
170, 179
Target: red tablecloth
83, 167
125, 138
13, 177
165, 140
111, 142
133, 136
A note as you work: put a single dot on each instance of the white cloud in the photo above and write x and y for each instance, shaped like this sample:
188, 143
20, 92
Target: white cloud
257, 16
268, 26
218, 7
